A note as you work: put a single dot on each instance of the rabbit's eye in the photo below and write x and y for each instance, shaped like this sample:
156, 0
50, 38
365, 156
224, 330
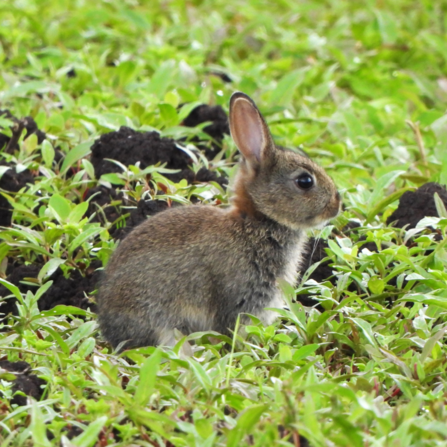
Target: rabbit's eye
305, 181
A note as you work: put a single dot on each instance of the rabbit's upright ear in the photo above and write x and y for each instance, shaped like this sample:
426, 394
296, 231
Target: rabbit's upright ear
249, 130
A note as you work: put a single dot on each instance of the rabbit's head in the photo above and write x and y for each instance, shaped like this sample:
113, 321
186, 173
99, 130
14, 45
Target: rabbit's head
279, 183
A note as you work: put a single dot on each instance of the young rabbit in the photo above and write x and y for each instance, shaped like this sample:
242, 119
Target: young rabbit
196, 268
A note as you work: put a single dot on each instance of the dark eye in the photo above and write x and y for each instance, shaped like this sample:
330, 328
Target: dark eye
305, 181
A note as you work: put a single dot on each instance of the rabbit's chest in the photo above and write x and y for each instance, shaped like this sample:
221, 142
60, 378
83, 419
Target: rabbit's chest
256, 281
274, 260
292, 260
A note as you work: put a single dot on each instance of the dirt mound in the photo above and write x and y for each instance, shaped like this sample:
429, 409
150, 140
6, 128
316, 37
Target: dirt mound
129, 147
102, 201
16, 276
218, 128
26, 123
27, 383
70, 291
415, 205
11, 181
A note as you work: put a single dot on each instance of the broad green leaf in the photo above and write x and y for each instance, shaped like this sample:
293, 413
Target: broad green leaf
351, 432
63, 310
13, 289
148, 376
83, 331
440, 207
47, 153
376, 285
59, 340
204, 428
89, 437
304, 352
245, 423
49, 268
366, 329
162, 78
283, 93
38, 427
86, 347
168, 114
77, 212
83, 237
387, 26
201, 375
75, 154
382, 184
30, 144
113, 178
430, 344
60, 206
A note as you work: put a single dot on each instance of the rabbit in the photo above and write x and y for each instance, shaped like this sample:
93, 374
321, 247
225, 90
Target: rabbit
196, 268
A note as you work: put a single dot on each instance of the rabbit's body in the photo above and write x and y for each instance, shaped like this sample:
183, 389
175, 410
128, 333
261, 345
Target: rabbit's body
207, 287
197, 268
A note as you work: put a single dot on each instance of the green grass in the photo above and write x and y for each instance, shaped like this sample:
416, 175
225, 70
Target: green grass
354, 83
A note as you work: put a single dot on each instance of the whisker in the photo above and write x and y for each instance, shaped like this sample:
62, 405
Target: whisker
316, 240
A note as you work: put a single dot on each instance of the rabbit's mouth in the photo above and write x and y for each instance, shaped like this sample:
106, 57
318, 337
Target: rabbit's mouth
332, 209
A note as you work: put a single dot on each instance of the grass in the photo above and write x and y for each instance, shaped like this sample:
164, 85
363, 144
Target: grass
362, 86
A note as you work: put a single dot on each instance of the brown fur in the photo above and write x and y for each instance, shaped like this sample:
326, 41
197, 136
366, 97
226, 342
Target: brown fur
197, 268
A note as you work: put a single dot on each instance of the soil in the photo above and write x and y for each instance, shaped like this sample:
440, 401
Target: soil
101, 203
415, 205
72, 291
12, 181
27, 383
315, 252
29, 125
217, 130
225, 78
129, 146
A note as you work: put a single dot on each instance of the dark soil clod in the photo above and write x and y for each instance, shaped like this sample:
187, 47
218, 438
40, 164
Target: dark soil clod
216, 114
28, 124
315, 252
27, 383
130, 147
225, 78
102, 197
11, 181
217, 130
415, 205
70, 291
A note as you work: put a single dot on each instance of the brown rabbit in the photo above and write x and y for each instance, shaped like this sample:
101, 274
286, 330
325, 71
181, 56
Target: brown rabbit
196, 268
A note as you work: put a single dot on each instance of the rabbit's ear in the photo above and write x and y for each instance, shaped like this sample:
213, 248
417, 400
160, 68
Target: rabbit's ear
249, 130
